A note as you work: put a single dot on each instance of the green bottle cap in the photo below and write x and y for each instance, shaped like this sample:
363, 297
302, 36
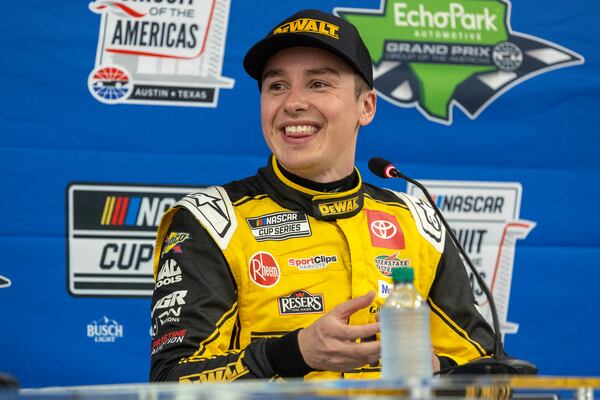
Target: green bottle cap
403, 274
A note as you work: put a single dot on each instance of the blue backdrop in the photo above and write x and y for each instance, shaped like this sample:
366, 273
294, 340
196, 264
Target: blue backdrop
58, 138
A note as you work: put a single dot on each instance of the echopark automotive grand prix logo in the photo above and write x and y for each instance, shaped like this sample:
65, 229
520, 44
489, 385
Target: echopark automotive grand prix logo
437, 54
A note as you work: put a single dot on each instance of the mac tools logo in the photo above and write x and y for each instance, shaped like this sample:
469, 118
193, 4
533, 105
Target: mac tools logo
160, 52
484, 216
111, 233
437, 54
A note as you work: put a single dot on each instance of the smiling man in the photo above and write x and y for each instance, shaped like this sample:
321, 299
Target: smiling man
282, 274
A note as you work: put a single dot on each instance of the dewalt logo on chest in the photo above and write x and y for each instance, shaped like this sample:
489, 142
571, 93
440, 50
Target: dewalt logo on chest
339, 207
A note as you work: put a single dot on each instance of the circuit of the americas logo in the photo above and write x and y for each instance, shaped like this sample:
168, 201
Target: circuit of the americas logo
485, 219
437, 54
161, 53
111, 231
4, 282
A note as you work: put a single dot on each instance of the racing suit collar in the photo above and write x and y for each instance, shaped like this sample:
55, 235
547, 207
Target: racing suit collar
321, 205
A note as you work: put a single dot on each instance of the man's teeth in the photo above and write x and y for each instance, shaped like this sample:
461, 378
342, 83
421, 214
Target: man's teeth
305, 129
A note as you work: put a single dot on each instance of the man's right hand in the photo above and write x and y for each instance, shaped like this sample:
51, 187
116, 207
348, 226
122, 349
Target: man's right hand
329, 344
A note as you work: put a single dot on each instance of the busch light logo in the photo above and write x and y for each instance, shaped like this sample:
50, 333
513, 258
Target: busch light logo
104, 330
438, 55
484, 217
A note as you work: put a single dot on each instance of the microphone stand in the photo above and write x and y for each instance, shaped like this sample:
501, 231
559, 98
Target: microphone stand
499, 363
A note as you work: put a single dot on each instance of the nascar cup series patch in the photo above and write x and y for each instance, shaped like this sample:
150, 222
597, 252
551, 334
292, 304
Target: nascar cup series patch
279, 226
437, 54
161, 53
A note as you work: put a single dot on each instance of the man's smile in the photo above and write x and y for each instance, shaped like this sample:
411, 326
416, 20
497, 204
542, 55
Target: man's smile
299, 130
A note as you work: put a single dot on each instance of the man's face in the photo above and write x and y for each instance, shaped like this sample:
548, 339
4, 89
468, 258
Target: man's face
310, 114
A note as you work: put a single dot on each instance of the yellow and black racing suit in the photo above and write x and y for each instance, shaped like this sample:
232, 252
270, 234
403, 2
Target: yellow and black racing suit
241, 268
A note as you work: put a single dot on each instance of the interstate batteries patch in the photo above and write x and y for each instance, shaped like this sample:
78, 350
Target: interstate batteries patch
279, 226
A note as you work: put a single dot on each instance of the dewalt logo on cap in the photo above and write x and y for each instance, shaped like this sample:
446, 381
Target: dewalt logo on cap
309, 25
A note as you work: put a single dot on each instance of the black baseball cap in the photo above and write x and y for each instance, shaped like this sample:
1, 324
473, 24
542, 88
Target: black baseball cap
312, 28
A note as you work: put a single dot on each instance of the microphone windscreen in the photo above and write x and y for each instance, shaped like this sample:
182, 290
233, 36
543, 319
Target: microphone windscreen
378, 166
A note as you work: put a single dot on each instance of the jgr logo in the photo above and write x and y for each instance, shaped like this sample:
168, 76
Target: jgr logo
171, 300
169, 273
172, 303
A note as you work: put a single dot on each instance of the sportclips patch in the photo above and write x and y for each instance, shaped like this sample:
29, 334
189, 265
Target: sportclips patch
110, 234
484, 216
279, 226
437, 54
160, 53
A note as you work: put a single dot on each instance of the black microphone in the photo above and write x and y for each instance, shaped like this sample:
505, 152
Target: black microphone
500, 363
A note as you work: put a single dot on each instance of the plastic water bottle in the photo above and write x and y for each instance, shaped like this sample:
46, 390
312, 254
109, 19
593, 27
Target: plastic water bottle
405, 337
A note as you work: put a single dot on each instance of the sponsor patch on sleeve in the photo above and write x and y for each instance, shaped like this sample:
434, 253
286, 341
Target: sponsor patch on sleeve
173, 243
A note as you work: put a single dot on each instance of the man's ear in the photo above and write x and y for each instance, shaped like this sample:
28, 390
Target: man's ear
368, 103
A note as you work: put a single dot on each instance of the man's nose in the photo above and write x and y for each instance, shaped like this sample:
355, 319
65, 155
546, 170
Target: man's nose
296, 101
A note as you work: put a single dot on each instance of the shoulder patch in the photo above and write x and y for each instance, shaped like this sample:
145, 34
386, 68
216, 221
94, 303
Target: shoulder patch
213, 209
427, 221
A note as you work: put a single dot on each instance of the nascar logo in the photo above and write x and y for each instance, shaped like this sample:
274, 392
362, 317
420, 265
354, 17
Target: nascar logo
134, 211
111, 234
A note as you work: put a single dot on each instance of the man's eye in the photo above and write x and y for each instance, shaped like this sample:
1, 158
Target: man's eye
276, 86
319, 84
